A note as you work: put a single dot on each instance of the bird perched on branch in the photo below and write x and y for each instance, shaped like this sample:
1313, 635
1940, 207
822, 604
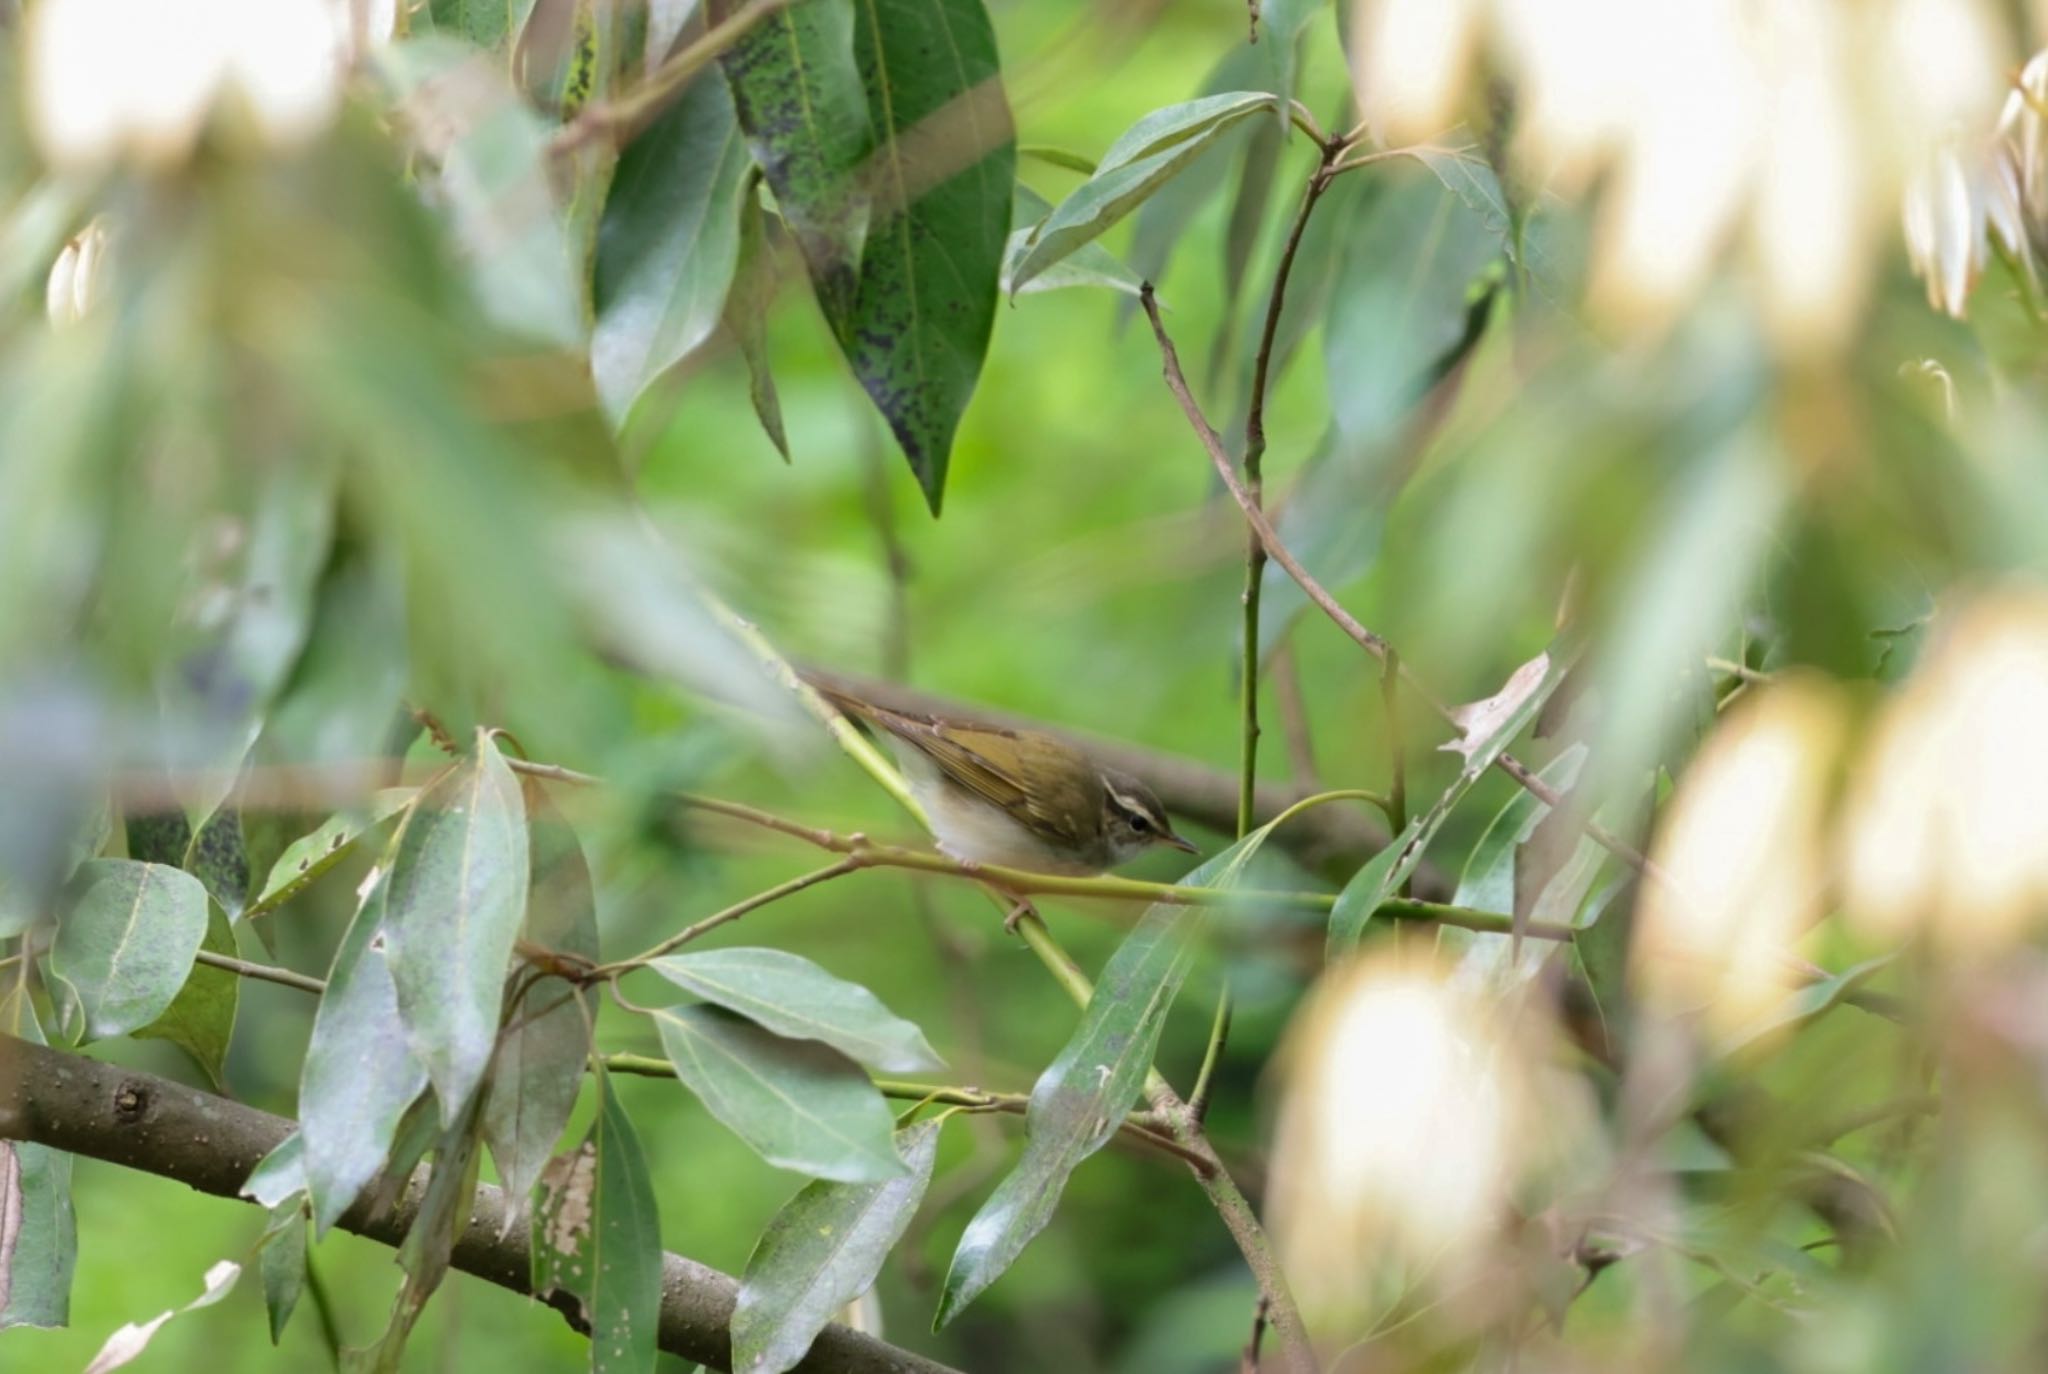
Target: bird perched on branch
1013, 797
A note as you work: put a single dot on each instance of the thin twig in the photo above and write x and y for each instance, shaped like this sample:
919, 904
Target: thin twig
1379, 648
1249, 1363
1397, 752
283, 977
731, 913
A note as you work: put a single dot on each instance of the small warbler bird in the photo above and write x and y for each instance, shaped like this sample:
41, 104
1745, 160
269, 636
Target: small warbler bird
1018, 798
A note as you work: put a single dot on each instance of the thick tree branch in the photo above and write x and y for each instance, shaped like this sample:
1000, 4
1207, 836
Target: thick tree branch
143, 1122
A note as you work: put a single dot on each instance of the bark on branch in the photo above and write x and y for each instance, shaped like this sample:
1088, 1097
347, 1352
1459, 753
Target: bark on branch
143, 1122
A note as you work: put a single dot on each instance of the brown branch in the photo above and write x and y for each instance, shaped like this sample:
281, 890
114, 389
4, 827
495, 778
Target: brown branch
151, 1124
1378, 647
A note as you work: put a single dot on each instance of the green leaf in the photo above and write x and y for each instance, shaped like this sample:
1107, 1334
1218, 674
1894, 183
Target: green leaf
1137, 164
820, 1252
443, 1213
125, 947
282, 1250
597, 1236
1080, 1100
279, 1175
793, 997
219, 858
668, 243
1488, 880
1279, 37
539, 1065
746, 317
1402, 302
307, 858
359, 1076
492, 151
1078, 1103
38, 1231
1497, 875
925, 300
1089, 265
1491, 725
799, 96
486, 23
1168, 212
801, 1105
201, 1020
452, 910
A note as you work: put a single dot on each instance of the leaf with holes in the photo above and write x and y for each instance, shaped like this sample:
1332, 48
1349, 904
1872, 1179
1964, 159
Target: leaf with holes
822, 1251
800, 99
1148, 154
917, 326
307, 858
126, 945
800, 1105
793, 997
668, 244
452, 907
597, 1236
538, 1068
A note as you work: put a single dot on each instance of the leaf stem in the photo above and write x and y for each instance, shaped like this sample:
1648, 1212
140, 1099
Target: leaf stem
283, 977
731, 913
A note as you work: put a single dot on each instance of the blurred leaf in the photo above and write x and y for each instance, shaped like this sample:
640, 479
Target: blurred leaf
1333, 521
746, 316
1080, 1100
1148, 153
1697, 559
492, 150
596, 1235
304, 860
335, 710
246, 620
669, 242
201, 1020
1401, 302
132, 1339
282, 1251
1807, 1005
822, 1251
940, 176
801, 1105
1491, 728
38, 1232
539, 1064
665, 22
124, 949
1090, 265
359, 1075
451, 912
800, 98
1497, 874
486, 23
793, 997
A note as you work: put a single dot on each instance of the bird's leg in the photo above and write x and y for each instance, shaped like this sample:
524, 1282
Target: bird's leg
1015, 905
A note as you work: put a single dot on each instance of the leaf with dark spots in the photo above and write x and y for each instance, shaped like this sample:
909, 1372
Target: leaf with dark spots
805, 114
917, 324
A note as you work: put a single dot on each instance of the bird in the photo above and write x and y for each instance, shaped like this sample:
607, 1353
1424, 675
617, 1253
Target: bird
1017, 798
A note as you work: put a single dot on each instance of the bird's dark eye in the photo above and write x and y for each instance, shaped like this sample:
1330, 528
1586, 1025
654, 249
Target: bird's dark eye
1139, 823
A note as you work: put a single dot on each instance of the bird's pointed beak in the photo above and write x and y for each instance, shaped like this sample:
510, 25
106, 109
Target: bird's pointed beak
1173, 841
